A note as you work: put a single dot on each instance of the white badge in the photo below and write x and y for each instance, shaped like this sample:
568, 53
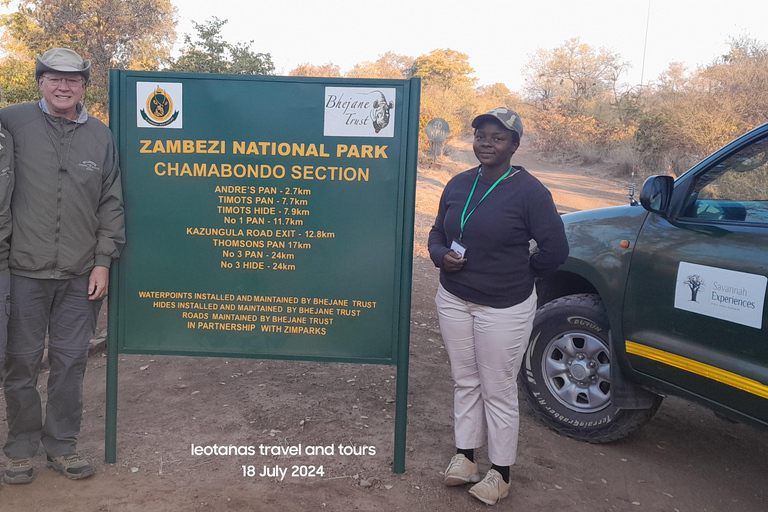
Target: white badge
458, 248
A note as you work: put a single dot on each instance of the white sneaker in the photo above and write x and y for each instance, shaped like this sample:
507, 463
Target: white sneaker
461, 471
492, 489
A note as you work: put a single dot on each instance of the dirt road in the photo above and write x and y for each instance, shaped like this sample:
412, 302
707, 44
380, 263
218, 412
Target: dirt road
684, 460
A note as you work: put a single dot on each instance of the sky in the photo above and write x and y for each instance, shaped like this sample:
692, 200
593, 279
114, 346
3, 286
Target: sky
499, 37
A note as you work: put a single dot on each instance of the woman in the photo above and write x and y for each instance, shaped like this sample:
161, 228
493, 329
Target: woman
486, 299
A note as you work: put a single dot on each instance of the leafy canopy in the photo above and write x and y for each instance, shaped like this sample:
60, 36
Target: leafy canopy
328, 70
574, 72
388, 65
210, 53
123, 34
447, 68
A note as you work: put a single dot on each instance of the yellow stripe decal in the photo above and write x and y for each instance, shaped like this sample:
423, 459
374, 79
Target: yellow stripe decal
705, 370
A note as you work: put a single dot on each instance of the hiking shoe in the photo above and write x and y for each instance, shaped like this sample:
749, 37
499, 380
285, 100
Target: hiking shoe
461, 471
19, 471
492, 489
72, 466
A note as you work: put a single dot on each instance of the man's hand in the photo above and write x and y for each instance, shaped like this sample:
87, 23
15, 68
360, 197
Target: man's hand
98, 283
452, 262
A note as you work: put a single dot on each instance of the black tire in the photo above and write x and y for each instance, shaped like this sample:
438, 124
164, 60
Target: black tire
565, 376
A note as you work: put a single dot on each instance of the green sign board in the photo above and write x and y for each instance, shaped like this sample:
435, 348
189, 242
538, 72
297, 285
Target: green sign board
266, 216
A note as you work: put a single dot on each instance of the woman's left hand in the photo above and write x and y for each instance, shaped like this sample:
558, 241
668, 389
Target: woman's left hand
452, 262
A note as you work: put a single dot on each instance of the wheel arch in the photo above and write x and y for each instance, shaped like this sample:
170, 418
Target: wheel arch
579, 277
560, 284
626, 393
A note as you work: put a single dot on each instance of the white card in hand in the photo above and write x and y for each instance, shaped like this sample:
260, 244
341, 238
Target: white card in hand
458, 248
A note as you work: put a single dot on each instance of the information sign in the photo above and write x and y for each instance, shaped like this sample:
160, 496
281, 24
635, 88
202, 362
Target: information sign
267, 217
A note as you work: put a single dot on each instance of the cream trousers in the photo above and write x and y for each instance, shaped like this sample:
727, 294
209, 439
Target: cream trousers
485, 346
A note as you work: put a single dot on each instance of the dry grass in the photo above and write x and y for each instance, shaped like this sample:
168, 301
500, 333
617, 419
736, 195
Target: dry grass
589, 155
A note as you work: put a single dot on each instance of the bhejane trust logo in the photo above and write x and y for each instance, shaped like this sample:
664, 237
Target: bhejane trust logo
381, 112
359, 112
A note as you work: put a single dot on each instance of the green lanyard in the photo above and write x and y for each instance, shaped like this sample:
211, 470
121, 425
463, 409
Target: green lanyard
464, 215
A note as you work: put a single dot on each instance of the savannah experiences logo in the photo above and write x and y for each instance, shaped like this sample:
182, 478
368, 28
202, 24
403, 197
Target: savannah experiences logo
359, 112
721, 293
695, 283
158, 105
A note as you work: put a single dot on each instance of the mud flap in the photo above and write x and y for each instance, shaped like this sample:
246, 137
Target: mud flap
625, 394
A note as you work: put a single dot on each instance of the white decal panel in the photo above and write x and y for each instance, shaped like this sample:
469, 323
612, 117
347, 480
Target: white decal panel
719, 293
159, 105
359, 112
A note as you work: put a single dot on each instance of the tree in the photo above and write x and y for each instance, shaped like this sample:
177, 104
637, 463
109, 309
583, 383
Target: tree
211, 54
445, 68
18, 82
694, 282
674, 79
388, 65
496, 95
135, 34
329, 70
739, 78
581, 108
457, 105
705, 109
541, 83
447, 90
575, 72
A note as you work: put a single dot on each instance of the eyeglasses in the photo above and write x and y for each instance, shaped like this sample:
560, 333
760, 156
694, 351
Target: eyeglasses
74, 83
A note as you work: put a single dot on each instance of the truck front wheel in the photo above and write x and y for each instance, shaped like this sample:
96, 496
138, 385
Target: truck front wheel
566, 373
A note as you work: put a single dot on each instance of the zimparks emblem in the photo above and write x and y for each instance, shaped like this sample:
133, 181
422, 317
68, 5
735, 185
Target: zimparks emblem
159, 111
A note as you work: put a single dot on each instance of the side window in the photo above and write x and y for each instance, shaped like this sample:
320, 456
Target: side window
734, 190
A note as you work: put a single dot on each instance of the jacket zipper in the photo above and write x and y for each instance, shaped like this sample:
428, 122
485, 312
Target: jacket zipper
58, 212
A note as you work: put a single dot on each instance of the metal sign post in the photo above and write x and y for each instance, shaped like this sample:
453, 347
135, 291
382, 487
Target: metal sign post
437, 131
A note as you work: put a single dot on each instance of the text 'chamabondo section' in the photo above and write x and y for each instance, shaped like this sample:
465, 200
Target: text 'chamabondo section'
259, 313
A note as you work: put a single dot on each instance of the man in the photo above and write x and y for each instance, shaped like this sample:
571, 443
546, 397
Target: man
68, 226
6, 188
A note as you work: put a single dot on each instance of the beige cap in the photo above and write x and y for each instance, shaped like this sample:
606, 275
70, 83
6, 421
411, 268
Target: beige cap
63, 60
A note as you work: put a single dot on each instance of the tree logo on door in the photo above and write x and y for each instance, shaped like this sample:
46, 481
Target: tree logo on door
695, 282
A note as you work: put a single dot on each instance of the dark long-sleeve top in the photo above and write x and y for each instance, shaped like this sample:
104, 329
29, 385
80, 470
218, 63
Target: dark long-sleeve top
499, 271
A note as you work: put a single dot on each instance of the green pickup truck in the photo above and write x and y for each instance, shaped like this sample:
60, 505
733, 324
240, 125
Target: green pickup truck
665, 297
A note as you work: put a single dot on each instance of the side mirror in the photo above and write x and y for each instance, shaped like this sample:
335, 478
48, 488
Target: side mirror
656, 194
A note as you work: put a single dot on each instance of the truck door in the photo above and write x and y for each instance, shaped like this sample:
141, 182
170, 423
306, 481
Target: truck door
695, 305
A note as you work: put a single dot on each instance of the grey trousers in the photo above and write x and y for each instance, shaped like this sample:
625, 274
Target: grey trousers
5, 312
62, 309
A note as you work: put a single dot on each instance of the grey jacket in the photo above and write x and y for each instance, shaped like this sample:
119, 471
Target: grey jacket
68, 202
6, 188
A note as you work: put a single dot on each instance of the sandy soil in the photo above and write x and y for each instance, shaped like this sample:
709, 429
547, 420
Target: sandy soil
684, 460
